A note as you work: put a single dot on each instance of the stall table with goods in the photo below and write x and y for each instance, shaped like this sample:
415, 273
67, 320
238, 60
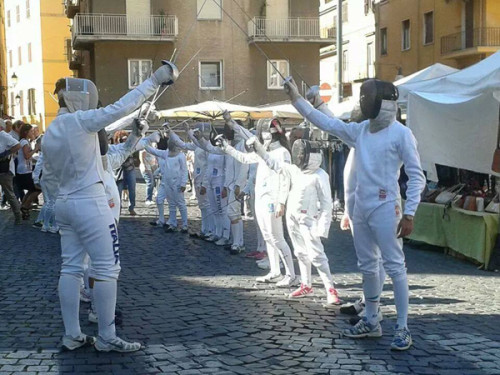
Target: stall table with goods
468, 232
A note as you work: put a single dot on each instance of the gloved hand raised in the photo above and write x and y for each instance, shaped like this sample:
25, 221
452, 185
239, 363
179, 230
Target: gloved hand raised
140, 127
154, 137
221, 142
166, 74
312, 95
228, 119
259, 149
291, 89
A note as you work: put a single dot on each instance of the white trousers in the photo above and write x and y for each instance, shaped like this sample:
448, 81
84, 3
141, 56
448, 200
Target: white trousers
234, 215
161, 195
375, 235
218, 208
176, 201
87, 226
261, 244
272, 231
204, 206
309, 251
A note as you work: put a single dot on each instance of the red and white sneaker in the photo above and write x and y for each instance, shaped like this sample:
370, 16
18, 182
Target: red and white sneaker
252, 254
303, 291
332, 297
261, 256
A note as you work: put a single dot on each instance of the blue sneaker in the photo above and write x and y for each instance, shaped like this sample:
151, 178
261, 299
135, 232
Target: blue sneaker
364, 329
402, 339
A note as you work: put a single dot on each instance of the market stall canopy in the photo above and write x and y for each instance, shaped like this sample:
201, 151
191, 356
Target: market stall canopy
434, 71
344, 110
281, 110
455, 118
209, 110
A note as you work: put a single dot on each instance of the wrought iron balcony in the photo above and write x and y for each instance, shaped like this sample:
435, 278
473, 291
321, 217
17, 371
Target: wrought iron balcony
89, 28
261, 29
471, 42
71, 7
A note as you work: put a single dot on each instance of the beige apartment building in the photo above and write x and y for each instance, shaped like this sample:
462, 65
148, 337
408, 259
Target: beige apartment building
413, 34
116, 43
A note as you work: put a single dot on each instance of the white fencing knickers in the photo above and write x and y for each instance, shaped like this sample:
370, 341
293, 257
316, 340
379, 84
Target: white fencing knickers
309, 250
175, 198
234, 215
261, 244
161, 195
217, 205
379, 228
87, 226
272, 231
207, 221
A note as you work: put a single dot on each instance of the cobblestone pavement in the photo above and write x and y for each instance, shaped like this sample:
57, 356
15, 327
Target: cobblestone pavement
198, 310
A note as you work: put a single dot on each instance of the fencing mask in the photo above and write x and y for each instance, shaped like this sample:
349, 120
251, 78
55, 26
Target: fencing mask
373, 91
306, 154
79, 94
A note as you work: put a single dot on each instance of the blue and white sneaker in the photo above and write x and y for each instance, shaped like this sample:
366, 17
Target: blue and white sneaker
364, 329
402, 339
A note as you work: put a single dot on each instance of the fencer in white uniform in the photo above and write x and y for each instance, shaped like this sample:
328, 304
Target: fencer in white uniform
80, 189
235, 179
308, 212
382, 145
358, 307
174, 173
200, 166
213, 185
271, 193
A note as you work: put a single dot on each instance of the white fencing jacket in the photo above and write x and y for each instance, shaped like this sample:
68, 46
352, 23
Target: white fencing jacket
379, 157
71, 145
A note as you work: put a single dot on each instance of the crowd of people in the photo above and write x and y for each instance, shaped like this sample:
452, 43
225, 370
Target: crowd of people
231, 170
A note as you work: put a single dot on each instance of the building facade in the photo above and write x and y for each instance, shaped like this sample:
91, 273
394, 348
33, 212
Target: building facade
413, 34
4, 104
231, 52
35, 34
358, 46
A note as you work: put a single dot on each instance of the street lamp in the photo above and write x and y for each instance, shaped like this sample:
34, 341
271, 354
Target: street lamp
18, 99
14, 79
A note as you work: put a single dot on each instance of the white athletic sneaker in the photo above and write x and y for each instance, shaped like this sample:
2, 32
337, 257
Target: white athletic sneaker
288, 282
44, 230
93, 316
70, 343
149, 203
222, 242
53, 230
116, 345
84, 295
269, 278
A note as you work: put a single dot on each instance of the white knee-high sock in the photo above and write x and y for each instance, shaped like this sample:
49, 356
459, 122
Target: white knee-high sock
381, 276
274, 260
325, 274
305, 271
105, 303
371, 290
69, 296
401, 299
237, 232
286, 256
161, 212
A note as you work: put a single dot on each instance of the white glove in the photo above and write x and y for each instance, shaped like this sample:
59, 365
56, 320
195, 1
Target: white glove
228, 119
259, 149
140, 127
221, 142
312, 95
291, 89
250, 142
154, 137
166, 74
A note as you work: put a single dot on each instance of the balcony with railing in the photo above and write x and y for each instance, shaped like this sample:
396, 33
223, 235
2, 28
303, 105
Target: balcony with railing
261, 29
471, 42
90, 28
71, 7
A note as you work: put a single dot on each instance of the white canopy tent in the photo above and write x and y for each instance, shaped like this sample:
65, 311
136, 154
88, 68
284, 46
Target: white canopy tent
455, 118
343, 110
